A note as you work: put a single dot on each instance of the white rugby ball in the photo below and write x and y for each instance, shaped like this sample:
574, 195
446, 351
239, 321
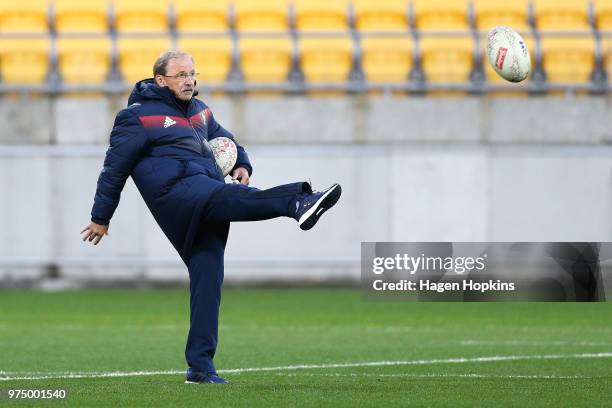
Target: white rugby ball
508, 54
225, 153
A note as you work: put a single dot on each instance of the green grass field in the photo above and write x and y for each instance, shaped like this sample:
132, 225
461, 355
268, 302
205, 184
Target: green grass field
352, 352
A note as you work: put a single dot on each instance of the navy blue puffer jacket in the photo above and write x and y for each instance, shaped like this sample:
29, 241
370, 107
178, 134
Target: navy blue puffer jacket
163, 145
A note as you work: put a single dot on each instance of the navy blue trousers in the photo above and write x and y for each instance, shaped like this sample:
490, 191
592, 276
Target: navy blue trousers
232, 202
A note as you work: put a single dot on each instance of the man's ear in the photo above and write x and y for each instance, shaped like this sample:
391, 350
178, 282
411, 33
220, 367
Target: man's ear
159, 80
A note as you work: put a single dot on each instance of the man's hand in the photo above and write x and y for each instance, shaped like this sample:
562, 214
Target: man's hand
94, 232
242, 175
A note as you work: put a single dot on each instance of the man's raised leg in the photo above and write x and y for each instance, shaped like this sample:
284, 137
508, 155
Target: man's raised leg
234, 202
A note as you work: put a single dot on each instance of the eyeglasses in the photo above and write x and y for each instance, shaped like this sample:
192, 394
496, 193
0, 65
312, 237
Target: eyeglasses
183, 76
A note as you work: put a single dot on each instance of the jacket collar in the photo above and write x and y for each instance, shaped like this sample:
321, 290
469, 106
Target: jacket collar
147, 89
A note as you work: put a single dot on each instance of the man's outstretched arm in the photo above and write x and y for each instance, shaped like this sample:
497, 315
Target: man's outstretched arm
127, 140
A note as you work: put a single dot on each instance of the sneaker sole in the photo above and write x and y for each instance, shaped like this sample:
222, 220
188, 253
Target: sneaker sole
327, 201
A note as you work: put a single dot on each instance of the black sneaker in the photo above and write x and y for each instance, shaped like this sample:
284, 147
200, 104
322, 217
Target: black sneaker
309, 207
194, 377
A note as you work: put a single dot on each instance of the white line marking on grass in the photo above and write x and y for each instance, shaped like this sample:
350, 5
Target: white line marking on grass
533, 343
469, 375
52, 376
422, 362
459, 360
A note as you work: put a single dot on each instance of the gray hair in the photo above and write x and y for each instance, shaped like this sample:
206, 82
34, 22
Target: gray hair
161, 63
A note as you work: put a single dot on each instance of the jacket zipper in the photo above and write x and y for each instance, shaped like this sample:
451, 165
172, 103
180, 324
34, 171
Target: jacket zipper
195, 133
205, 150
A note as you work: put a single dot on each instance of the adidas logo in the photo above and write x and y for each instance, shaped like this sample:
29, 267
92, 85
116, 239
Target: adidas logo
168, 122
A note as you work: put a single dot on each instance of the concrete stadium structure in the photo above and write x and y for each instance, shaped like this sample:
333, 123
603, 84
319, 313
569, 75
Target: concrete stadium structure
412, 169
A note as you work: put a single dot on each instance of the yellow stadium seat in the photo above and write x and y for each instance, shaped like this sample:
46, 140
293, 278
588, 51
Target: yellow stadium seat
326, 59
198, 15
381, 15
603, 14
261, 15
491, 13
568, 59
24, 60
265, 59
212, 56
84, 60
387, 59
440, 15
141, 15
561, 14
447, 59
321, 15
137, 55
565, 59
24, 16
81, 16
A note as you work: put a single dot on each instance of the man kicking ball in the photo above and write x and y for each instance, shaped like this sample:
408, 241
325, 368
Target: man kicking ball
161, 140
